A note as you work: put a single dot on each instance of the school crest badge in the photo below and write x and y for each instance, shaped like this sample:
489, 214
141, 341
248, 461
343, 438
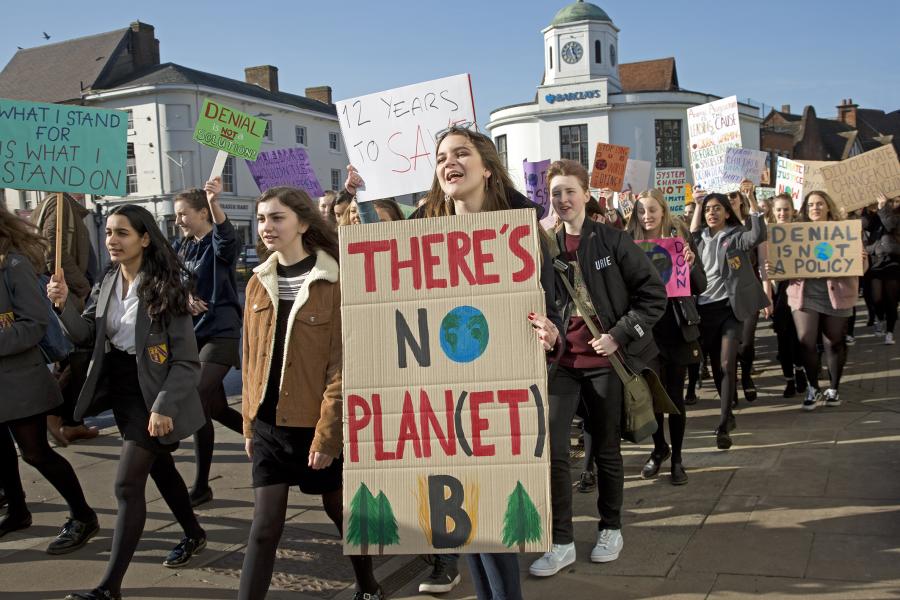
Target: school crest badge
7, 319
734, 263
158, 353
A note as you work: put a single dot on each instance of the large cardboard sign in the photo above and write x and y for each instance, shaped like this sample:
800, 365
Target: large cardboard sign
536, 185
667, 255
856, 182
390, 136
609, 166
812, 177
826, 249
287, 166
790, 176
741, 164
712, 129
229, 130
671, 183
637, 175
62, 148
445, 430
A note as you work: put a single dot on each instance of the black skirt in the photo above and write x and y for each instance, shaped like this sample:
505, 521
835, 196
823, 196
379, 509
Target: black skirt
128, 406
281, 455
221, 351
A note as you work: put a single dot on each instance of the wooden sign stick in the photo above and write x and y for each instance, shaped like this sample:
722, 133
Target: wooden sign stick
219, 164
60, 221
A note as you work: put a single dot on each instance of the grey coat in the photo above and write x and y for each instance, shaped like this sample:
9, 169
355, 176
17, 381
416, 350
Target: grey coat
168, 364
28, 387
745, 292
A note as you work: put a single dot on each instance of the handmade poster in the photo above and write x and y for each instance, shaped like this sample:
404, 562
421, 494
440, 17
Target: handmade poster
764, 193
741, 164
712, 129
609, 166
287, 166
789, 179
812, 177
826, 249
62, 148
390, 136
536, 183
671, 182
637, 175
667, 255
856, 182
445, 436
229, 130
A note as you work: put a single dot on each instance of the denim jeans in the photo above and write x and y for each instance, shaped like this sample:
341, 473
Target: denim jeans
495, 576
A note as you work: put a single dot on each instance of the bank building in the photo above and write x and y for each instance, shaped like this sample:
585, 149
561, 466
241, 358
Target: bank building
587, 96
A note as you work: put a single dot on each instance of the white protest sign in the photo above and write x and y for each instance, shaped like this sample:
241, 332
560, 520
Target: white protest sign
789, 179
637, 175
390, 135
741, 164
671, 182
712, 129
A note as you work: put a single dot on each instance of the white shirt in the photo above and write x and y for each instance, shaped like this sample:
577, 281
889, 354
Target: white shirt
121, 315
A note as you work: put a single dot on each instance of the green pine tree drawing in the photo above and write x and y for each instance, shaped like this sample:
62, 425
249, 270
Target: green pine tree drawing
521, 523
361, 530
386, 533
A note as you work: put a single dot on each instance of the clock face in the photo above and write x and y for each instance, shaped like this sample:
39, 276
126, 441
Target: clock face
571, 52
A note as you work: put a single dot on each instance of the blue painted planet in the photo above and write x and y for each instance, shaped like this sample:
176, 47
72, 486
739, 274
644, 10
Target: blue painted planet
823, 251
660, 258
464, 334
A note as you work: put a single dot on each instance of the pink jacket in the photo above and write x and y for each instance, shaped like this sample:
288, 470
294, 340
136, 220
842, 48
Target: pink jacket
843, 291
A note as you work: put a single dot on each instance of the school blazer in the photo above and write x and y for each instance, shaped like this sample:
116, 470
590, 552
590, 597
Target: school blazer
168, 364
745, 293
28, 387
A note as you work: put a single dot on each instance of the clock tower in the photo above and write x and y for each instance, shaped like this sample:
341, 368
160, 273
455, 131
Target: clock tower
581, 47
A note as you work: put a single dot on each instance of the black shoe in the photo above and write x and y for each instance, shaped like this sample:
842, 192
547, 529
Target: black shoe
184, 552
443, 578
691, 398
201, 498
15, 523
749, 388
587, 483
723, 440
3, 500
94, 594
679, 476
790, 389
731, 422
73, 536
379, 595
651, 468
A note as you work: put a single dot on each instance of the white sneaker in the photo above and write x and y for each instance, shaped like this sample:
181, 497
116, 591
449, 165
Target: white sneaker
832, 398
812, 397
879, 328
889, 339
609, 545
850, 340
551, 563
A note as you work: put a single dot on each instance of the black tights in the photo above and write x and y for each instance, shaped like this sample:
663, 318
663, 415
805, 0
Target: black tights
672, 377
270, 506
135, 464
885, 294
747, 350
215, 405
833, 329
30, 434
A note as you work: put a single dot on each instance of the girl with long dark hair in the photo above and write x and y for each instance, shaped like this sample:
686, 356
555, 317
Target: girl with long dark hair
883, 228
145, 366
209, 251
30, 390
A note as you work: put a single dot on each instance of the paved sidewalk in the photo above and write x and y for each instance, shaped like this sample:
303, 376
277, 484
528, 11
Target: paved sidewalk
803, 505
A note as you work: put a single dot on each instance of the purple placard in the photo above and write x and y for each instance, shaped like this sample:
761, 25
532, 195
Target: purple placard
286, 166
536, 184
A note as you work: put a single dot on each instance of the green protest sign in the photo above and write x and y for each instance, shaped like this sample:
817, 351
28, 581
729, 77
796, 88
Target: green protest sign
62, 148
229, 130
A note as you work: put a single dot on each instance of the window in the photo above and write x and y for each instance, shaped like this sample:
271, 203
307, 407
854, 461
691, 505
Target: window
598, 52
334, 141
335, 179
668, 143
268, 132
573, 144
130, 118
612, 55
501, 150
300, 134
131, 171
550, 54
228, 176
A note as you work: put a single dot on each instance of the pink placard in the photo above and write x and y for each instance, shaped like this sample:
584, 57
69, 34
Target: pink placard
667, 255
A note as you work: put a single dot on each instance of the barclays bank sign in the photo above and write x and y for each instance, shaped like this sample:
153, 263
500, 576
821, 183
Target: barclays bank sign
568, 97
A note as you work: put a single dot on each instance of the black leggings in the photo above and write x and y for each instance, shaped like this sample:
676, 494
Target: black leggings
672, 377
215, 405
270, 506
833, 329
721, 333
885, 294
136, 463
747, 350
785, 334
30, 434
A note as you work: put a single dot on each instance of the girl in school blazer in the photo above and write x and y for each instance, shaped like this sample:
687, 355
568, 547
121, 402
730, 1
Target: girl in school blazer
144, 366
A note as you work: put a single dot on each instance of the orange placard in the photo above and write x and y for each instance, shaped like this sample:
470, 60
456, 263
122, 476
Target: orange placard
609, 167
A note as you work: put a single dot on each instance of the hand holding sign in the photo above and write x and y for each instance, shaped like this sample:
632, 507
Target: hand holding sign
354, 181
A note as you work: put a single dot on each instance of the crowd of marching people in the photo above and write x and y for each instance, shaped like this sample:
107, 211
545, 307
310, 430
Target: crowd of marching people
155, 335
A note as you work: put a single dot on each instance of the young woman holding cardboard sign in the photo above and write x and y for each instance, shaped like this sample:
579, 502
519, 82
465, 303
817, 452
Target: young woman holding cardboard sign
676, 333
148, 376
823, 305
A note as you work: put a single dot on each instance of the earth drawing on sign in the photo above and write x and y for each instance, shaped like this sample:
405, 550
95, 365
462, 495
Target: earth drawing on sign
464, 334
824, 251
660, 258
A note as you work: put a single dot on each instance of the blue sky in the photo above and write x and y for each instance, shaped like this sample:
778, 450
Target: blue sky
786, 52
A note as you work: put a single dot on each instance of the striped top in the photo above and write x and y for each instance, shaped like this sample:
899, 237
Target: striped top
291, 278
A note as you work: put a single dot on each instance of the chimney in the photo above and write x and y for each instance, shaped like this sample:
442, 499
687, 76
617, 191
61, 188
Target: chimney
786, 108
847, 112
321, 93
265, 76
144, 45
